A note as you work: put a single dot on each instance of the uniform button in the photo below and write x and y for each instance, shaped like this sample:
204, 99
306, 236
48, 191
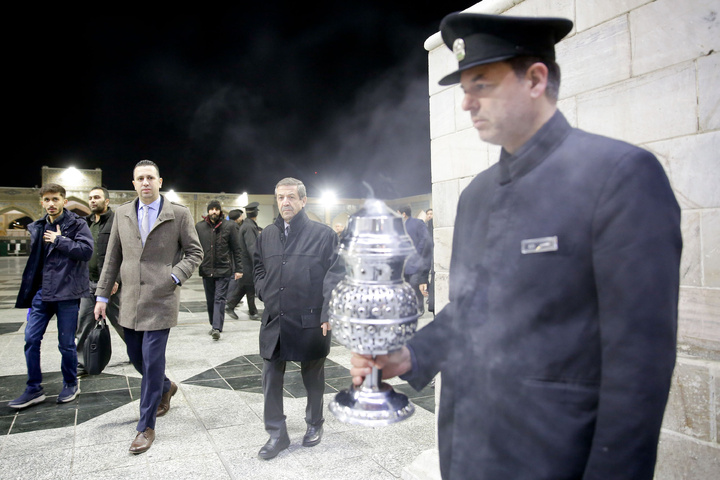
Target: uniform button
142, 283
282, 313
282, 288
284, 263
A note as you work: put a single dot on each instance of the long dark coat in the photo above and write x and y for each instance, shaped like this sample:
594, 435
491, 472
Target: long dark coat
150, 298
248, 237
289, 280
556, 363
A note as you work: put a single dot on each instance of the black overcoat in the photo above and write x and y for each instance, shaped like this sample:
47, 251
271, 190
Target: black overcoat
248, 233
289, 280
556, 361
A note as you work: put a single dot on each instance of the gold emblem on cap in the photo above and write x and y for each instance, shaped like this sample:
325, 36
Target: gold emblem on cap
459, 49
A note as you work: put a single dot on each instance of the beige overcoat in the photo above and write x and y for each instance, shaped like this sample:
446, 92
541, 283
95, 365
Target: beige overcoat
150, 299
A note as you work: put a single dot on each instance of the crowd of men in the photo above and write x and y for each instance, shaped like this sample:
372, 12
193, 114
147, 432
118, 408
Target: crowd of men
558, 342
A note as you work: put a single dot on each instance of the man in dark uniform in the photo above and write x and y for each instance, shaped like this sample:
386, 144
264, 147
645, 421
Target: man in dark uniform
292, 257
558, 344
245, 286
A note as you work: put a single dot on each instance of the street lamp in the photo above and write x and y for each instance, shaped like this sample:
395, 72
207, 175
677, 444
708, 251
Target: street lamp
328, 199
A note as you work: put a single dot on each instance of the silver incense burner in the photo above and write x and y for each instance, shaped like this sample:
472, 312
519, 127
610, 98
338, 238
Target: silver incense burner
373, 311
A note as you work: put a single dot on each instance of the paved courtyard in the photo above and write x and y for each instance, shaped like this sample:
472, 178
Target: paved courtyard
214, 428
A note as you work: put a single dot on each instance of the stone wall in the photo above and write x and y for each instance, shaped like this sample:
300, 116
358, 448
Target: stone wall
647, 72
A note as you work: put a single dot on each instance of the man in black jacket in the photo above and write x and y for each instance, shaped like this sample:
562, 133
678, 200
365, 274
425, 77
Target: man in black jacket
54, 279
292, 257
100, 222
221, 261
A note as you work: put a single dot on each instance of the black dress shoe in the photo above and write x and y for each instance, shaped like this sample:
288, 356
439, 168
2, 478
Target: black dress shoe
231, 313
273, 447
312, 436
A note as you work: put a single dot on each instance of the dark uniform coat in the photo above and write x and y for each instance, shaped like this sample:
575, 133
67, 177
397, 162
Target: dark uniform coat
248, 237
557, 353
289, 280
150, 298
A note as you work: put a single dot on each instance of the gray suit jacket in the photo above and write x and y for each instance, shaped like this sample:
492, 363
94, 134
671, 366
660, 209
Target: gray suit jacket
150, 298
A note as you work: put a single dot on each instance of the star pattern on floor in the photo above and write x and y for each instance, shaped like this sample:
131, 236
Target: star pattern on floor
105, 392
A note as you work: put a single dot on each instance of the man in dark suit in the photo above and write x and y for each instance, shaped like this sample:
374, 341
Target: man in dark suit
155, 247
292, 257
558, 344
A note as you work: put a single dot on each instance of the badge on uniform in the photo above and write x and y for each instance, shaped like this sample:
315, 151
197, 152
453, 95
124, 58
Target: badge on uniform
539, 245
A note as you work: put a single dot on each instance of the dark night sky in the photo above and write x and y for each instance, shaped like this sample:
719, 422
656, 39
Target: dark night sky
232, 101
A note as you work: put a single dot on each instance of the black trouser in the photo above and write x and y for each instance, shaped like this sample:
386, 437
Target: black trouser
236, 294
215, 294
313, 376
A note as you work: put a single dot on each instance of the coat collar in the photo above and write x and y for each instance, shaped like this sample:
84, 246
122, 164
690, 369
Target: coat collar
166, 212
535, 151
297, 223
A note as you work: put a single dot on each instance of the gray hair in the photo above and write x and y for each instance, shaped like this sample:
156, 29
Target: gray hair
292, 182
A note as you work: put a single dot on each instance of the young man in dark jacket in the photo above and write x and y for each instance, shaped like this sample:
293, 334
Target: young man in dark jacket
55, 277
221, 261
100, 222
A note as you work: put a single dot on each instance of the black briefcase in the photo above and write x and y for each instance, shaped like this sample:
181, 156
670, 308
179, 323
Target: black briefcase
98, 349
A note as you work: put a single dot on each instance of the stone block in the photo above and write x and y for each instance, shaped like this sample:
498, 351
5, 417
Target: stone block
440, 62
544, 8
441, 290
442, 113
589, 14
458, 155
443, 247
653, 107
667, 32
692, 164
445, 198
715, 406
708, 91
684, 458
608, 45
426, 466
688, 407
711, 248
568, 107
691, 264
699, 322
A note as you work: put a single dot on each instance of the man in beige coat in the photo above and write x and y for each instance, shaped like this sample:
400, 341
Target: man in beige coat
155, 248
